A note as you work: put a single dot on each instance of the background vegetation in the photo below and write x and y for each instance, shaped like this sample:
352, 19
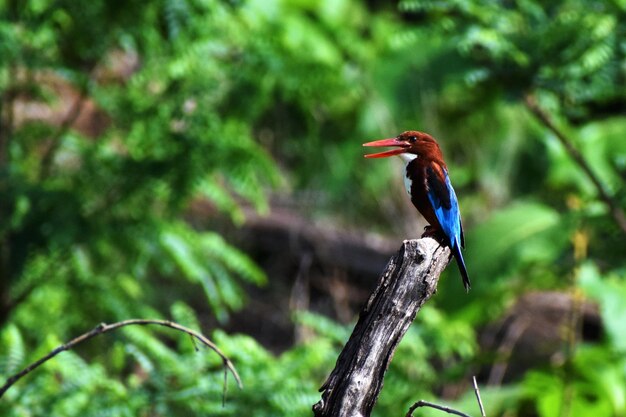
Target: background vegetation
119, 116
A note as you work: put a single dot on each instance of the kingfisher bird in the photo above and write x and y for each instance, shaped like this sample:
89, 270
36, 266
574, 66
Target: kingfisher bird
428, 184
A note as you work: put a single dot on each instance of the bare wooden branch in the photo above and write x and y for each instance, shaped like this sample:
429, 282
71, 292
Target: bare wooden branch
546, 120
409, 279
422, 403
104, 328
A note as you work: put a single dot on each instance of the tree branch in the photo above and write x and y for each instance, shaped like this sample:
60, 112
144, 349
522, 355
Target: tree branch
505, 350
104, 328
409, 279
544, 118
422, 403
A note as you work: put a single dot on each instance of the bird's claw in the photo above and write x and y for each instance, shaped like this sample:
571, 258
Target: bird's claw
429, 231
433, 233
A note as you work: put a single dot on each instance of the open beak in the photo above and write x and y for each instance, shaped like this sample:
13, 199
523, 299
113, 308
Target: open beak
387, 142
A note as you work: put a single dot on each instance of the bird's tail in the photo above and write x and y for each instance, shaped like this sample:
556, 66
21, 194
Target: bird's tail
456, 252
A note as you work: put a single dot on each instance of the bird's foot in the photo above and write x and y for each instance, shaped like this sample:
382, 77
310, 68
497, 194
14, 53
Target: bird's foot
433, 233
429, 231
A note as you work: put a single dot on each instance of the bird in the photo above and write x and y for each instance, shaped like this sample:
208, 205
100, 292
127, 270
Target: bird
428, 185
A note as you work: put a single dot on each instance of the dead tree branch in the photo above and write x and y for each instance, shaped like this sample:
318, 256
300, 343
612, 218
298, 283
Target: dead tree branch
408, 281
449, 410
104, 328
422, 403
574, 153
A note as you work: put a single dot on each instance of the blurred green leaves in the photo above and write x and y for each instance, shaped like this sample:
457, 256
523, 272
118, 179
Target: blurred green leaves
184, 100
221, 101
525, 46
205, 258
610, 292
503, 234
165, 141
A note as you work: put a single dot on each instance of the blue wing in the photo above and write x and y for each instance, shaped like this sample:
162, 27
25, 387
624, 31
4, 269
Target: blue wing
445, 205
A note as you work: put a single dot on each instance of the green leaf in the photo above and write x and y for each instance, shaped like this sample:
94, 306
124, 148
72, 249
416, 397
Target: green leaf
13, 354
523, 232
610, 292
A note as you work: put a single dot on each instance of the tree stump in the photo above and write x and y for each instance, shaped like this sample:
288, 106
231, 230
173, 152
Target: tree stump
409, 279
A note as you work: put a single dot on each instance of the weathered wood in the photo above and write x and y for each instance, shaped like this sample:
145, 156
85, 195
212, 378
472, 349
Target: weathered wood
409, 279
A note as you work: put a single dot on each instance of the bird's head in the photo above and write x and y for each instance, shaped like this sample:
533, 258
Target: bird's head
411, 141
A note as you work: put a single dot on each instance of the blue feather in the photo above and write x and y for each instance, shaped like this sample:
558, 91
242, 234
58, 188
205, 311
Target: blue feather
443, 200
446, 207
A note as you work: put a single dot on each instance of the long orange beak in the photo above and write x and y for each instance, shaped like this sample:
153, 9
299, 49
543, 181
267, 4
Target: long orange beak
387, 142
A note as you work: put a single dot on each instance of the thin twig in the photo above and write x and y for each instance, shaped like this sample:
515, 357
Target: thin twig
505, 350
544, 118
422, 403
104, 328
480, 401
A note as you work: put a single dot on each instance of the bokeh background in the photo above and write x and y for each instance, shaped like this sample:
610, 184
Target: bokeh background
201, 161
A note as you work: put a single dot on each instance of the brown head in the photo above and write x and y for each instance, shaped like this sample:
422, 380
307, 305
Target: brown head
412, 141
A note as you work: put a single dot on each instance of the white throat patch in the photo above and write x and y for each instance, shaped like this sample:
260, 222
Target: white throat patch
407, 158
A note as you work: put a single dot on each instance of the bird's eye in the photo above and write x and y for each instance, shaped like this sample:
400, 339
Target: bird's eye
412, 139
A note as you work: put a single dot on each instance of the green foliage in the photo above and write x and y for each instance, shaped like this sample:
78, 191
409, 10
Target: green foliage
172, 381
532, 215
206, 259
91, 220
218, 102
569, 49
433, 353
119, 196
610, 292
595, 388
13, 355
